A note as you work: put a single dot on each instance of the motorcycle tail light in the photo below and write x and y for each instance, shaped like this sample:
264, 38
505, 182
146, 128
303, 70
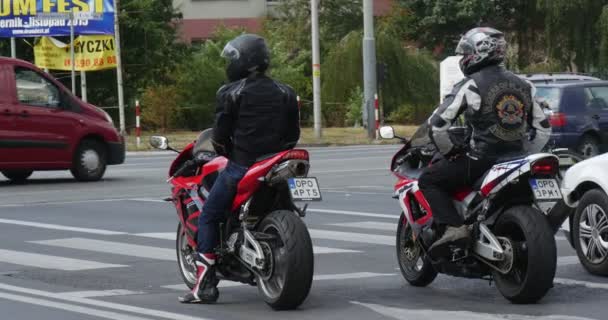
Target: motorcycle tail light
296, 154
545, 166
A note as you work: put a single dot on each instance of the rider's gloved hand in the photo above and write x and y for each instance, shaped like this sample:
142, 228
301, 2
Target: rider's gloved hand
455, 153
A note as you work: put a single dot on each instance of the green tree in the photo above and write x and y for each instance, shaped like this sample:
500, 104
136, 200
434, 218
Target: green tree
574, 31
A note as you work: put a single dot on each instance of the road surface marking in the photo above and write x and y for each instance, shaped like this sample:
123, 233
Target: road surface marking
103, 304
313, 172
373, 225
321, 277
46, 203
147, 200
588, 284
171, 236
352, 237
119, 248
51, 262
327, 250
99, 293
60, 227
567, 260
415, 314
355, 213
158, 235
69, 307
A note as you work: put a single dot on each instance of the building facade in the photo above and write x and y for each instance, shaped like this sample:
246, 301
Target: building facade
201, 17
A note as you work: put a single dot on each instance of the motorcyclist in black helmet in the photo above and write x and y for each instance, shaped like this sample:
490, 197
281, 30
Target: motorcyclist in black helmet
255, 116
500, 110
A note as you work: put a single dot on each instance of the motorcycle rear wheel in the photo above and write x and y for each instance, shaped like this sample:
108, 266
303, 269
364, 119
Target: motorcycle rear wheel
534, 255
413, 262
292, 261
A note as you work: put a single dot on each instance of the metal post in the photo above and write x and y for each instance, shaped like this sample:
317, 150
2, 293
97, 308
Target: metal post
137, 123
72, 52
13, 48
377, 116
83, 85
316, 67
369, 64
121, 98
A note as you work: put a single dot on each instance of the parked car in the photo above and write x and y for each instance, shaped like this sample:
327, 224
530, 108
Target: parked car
560, 77
43, 126
579, 115
585, 190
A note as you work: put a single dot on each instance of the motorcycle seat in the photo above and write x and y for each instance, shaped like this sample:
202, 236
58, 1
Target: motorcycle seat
266, 156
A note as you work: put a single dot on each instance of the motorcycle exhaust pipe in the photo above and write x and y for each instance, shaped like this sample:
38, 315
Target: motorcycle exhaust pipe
558, 215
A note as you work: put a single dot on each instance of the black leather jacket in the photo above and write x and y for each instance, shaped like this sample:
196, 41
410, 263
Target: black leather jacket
255, 116
500, 111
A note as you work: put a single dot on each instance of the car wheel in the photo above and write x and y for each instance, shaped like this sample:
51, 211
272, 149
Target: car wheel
17, 176
89, 161
589, 147
590, 231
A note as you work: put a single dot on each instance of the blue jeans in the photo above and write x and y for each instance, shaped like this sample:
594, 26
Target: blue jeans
219, 201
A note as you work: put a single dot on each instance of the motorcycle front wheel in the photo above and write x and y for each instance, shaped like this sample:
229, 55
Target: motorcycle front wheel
185, 258
290, 260
415, 267
531, 244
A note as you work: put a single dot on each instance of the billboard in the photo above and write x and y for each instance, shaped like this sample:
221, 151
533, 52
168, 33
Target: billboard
34, 18
91, 53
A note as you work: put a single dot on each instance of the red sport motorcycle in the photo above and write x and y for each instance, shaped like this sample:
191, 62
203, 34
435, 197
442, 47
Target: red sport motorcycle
507, 211
264, 241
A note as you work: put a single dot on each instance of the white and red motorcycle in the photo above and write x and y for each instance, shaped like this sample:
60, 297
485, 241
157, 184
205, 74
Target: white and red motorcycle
512, 243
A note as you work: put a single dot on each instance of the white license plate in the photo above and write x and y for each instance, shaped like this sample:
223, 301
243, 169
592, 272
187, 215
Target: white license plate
304, 189
545, 189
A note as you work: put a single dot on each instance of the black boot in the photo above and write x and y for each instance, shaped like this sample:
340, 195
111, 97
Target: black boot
205, 291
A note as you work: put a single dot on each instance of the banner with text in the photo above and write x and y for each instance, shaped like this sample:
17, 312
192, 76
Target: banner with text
33, 18
90, 53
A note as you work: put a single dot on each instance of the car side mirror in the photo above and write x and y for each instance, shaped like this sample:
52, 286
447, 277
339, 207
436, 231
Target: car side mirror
387, 132
159, 142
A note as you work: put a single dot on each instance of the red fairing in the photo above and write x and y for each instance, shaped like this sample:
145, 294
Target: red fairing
214, 165
486, 189
402, 182
460, 195
406, 202
250, 183
422, 201
186, 154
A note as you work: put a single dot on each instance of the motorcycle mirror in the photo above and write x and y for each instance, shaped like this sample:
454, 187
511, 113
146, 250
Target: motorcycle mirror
159, 142
387, 132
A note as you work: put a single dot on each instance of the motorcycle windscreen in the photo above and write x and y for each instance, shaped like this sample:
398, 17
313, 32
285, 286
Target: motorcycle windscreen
203, 142
421, 137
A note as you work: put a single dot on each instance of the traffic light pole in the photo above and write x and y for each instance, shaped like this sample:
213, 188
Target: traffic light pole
369, 66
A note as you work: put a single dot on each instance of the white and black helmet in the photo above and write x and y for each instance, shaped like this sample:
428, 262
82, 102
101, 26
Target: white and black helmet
481, 47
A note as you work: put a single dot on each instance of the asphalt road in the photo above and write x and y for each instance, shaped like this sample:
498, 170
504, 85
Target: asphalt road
104, 250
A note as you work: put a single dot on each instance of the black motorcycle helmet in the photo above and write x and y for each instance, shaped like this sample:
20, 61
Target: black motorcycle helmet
246, 54
481, 47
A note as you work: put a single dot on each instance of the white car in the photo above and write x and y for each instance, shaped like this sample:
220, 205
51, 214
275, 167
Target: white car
585, 189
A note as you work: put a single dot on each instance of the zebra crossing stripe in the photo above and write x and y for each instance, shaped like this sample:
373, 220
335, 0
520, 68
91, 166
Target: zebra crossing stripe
51, 262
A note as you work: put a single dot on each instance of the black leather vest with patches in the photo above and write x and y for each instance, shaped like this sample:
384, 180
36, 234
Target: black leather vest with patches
501, 123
